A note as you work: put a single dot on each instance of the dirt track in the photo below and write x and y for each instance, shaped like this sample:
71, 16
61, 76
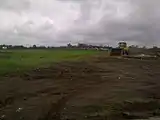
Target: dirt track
97, 89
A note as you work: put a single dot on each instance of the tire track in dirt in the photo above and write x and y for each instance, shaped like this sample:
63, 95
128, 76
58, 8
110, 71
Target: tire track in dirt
66, 80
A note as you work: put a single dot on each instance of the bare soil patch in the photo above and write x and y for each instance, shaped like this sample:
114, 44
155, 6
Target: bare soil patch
100, 88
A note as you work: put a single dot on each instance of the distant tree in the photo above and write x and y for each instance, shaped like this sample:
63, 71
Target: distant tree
69, 45
136, 46
42, 47
144, 47
80, 45
34, 46
10, 46
155, 47
16, 47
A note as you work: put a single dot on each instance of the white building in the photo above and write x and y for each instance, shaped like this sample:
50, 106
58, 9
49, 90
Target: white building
4, 48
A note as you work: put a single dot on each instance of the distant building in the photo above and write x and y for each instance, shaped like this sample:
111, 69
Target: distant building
4, 48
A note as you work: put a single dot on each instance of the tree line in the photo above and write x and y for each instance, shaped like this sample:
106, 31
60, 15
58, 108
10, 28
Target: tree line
79, 46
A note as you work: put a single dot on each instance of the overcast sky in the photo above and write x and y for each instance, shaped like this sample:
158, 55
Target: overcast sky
57, 22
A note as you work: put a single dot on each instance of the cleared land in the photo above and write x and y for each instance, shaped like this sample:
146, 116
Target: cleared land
96, 88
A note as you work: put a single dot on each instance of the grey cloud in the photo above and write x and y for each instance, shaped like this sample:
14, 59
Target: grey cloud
99, 22
140, 26
14, 5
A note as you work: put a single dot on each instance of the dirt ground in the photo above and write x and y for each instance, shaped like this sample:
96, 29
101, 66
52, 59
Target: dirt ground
99, 88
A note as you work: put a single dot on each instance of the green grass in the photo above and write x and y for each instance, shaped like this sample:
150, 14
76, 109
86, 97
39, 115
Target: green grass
19, 60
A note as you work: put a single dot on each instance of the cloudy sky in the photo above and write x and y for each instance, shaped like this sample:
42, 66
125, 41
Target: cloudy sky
58, 22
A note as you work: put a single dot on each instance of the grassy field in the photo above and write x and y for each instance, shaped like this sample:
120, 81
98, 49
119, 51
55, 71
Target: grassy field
17, 60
